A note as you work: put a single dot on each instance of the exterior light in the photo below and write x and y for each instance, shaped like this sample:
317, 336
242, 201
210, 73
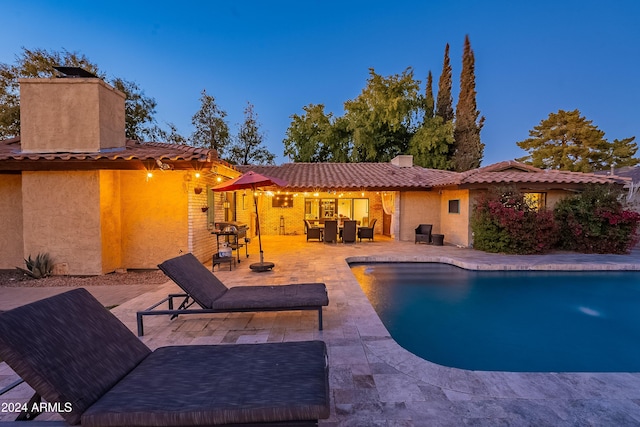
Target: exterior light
149, 175
197, 174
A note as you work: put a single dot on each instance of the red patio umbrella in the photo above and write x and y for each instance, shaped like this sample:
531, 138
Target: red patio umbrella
252, 180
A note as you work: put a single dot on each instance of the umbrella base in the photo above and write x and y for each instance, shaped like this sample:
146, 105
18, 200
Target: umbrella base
262, 266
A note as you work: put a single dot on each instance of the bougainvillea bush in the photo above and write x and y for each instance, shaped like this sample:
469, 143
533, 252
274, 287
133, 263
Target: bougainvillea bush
596, 221
503, 221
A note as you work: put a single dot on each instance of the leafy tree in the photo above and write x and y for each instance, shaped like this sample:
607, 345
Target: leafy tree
39, 63
339, 138
431, 144
619, 153
248, 147
139, 109
171, 136
444, 103
568, 141
310, 136
383, 117
211, 128
468, 149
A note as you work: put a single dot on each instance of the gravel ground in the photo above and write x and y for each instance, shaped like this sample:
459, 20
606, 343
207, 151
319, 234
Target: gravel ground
16, 278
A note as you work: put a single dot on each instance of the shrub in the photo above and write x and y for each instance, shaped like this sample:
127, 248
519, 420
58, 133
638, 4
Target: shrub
595, 221
503, 221
40, 267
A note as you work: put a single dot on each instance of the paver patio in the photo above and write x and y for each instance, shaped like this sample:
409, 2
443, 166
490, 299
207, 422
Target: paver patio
375, 382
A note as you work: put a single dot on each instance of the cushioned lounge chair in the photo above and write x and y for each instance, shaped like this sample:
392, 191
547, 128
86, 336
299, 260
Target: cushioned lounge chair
78, 356
203, 288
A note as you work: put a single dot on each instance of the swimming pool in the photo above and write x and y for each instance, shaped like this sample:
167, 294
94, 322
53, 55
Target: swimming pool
509, 321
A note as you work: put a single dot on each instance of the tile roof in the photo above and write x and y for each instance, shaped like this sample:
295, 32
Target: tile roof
385, 176
351, 176
512, 172
299, 176
135, 155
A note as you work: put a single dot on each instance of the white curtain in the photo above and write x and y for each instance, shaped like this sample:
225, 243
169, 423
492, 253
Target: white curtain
388, 204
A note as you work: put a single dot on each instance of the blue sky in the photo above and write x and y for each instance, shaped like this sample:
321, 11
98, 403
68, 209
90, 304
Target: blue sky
532, 58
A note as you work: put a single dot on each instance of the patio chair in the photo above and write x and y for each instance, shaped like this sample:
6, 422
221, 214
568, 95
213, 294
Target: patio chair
80, 358
423, 233
367, 232
204, 289
313, 232
349, 232
330, 231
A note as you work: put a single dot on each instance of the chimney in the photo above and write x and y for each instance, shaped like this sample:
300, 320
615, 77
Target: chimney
73, 114
403, 161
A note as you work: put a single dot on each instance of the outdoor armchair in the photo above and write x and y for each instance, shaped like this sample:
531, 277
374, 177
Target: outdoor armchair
313, 232
423, 233
202, 288
367, 232
80, 358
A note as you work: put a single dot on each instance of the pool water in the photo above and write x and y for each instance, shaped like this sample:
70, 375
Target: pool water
509, 321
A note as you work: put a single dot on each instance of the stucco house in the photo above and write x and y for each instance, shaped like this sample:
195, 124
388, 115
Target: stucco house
72, 186
401, 195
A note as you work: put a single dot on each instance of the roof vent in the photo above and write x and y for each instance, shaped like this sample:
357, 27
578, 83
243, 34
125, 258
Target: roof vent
71, 72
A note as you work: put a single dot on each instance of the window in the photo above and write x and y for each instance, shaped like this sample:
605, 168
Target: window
454, 206
536, 201
322, 209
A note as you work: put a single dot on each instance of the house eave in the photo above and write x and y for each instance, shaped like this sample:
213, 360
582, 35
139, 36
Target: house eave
90, 165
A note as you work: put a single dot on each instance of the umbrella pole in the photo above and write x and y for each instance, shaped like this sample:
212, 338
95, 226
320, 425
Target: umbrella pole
255, 202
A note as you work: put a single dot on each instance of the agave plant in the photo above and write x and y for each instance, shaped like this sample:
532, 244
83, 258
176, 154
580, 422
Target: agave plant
39, 267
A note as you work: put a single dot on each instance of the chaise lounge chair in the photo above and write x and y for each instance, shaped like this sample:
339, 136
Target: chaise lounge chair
203, 288
83, 361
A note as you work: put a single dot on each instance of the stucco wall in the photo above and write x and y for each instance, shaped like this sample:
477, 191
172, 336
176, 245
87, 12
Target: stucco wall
111, 221
554, 196
11, 246
418, 207
73, 114
61, 216
155, 217
455, 226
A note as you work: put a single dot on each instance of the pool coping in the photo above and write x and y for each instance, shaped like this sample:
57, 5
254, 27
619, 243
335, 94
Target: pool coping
499, 384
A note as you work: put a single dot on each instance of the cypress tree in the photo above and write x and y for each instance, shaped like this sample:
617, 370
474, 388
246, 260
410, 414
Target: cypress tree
468, 149
429, 102
444, 104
